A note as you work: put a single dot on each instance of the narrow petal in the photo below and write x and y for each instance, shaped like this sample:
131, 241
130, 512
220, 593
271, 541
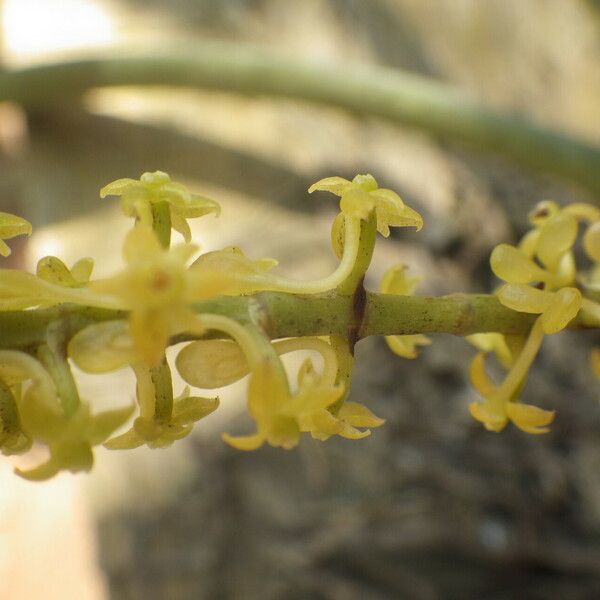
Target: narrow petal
42, 472
127, 441
119, 187
491, 420
192, 409
179, 224
351, 433
335, 185
104, 424
249, 442
530, 419
479, 377
358, 415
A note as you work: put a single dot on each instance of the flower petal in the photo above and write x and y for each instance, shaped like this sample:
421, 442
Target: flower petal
120, 187
358, 415
530, 419
491, 419
512, 265
479, 377
563, 308
248, 442
335, 185
557, 236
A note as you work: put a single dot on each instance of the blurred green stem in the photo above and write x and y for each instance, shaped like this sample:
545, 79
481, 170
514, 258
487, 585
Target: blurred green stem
382, 92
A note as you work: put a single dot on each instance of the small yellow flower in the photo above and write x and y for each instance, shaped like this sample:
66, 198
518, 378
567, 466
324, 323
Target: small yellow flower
322, 423
69, 439
158, 288
158, 433
361, 196
500, 406
395, 281
137, 197
11, 226
279, 415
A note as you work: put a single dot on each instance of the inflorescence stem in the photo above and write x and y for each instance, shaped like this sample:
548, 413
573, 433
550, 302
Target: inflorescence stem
290, 315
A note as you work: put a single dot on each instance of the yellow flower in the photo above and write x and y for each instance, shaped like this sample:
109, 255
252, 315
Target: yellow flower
216, 363
158, 288
500, 406
69, 439
395, 281
137, 198
10, 227
279, 415
361, 196
161, 433
322, 423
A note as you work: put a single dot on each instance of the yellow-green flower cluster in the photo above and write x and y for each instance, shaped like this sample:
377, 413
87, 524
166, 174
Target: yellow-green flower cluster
541, 278
156, 291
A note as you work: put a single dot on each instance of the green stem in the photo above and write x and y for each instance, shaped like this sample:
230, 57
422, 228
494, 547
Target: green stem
53, 355
400, 97
161, 223
163, 392
291, 315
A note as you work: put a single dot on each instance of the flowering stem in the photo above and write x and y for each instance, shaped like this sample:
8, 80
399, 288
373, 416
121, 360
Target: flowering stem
509, 387
296, 315
161, 223
163, 392
347, 266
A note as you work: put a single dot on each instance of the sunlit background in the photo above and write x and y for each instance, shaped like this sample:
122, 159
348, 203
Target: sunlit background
431, 506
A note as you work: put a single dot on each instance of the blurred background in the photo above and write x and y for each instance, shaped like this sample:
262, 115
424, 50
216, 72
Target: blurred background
429, 507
